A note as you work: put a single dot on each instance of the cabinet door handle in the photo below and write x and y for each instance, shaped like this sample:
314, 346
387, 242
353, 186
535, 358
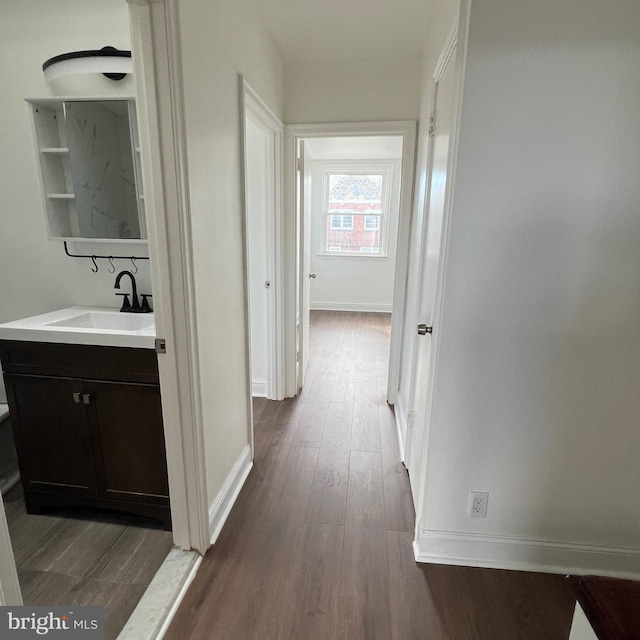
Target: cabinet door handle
86, 398
76, 397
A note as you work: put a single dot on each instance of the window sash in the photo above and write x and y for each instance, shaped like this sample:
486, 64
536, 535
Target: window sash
346, 219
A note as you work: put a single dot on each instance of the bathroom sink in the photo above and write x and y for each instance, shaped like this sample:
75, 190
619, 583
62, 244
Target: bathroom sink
107, 320
85, 325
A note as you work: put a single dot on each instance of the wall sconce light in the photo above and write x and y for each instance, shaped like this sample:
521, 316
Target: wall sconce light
111, 62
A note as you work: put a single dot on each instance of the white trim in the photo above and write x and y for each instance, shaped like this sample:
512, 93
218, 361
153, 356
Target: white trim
407, 130
259, 389
526, 554
155, 35
362, 307
228, 493
402, 420
157, 607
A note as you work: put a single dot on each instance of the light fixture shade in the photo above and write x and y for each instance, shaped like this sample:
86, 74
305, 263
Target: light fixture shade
109, 61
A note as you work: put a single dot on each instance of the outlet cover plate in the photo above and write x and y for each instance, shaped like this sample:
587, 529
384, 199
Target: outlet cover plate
478, 501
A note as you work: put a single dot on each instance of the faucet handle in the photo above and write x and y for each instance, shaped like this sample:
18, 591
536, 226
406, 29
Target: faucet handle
144, 306
126, 305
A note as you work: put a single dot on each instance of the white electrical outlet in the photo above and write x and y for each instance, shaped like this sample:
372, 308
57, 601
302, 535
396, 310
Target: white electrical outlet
478, 504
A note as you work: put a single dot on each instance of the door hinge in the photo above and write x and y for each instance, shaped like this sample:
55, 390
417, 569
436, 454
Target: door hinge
432, 126
161, 345
297, 356
298, 165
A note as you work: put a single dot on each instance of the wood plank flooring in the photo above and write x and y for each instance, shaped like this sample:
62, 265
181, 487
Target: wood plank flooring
318, 545
84, 557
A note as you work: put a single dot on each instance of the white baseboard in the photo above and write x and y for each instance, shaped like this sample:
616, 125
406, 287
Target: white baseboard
227, 495
365, 307
401, 425
522, 554
259, 388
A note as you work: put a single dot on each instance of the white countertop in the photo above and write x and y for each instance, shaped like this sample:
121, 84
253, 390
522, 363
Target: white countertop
85, 325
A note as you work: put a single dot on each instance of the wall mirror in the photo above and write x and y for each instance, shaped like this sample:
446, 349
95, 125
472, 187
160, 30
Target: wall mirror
90, 169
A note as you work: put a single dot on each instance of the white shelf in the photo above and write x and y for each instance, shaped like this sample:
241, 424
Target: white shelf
55, 151
61, 196
118, 241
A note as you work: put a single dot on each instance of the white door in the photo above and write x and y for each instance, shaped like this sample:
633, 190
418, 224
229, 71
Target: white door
259, 180
305, 276
431, 258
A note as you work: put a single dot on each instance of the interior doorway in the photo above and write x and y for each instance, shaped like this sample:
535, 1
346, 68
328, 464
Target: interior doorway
351, 196
262, 151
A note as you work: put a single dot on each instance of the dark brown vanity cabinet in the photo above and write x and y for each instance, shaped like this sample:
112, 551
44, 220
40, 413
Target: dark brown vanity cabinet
87, 422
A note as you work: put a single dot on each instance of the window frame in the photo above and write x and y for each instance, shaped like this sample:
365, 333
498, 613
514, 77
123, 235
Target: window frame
356, 168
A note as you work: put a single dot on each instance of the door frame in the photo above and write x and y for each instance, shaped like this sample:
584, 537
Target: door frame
252, 104
156, 49
293, 133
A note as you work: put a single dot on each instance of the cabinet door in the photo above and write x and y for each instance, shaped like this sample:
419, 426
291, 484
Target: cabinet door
126, 427
51, 433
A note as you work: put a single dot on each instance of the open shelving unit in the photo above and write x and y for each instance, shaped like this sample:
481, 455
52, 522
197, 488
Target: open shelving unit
55, 164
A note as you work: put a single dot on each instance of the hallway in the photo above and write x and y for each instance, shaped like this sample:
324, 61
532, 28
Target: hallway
318, 544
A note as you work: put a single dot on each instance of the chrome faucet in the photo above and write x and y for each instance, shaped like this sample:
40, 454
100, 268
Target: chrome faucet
134, 307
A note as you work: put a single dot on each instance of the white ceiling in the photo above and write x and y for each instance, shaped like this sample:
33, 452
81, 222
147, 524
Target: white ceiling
308, 30
355, 148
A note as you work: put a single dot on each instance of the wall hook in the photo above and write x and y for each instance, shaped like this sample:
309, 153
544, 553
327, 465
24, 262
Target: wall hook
112, 268
95, 257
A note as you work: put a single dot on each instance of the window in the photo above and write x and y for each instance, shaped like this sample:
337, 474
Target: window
342, 222
355, 205
372, 223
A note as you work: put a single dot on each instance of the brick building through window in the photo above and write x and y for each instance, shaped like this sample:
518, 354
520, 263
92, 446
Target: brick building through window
354, 206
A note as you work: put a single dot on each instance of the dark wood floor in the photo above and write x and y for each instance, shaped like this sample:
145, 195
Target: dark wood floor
318, 545
85, 557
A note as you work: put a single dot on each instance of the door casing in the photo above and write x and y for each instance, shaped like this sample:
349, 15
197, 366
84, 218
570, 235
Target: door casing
291, 236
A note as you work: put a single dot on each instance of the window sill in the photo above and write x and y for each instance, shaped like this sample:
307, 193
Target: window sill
360, 256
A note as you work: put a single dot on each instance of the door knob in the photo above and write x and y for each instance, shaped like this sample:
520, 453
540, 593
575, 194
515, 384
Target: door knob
423, 329
313, 275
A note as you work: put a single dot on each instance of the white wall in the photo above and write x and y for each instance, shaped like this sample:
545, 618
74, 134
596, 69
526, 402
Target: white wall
353, 283
220, 39
536, 391
350, 91
36, 275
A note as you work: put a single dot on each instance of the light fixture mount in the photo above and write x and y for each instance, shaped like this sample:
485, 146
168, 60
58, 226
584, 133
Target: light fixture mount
113, 63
